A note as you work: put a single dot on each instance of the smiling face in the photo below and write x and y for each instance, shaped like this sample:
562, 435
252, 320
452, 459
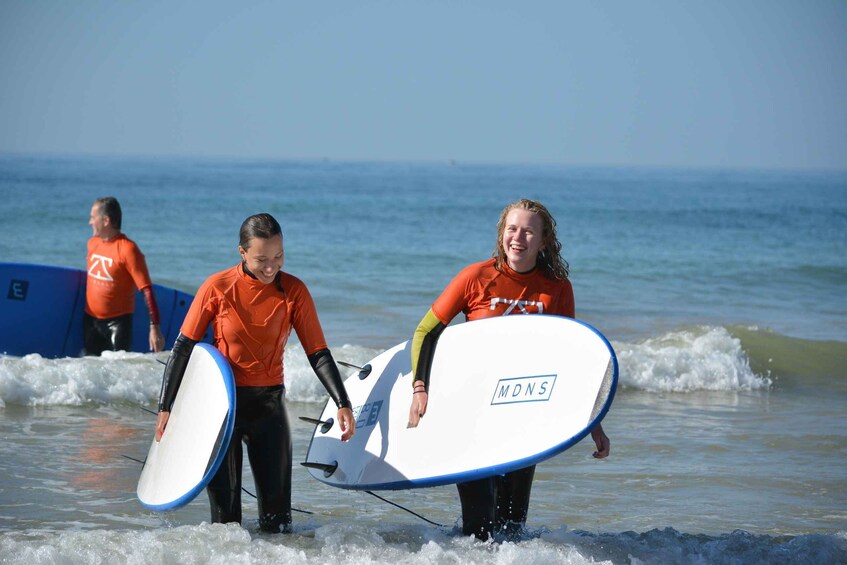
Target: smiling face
263, 257
522, 239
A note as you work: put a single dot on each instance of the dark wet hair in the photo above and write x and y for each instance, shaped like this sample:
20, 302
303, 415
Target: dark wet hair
263, 226
110, 208
550, 259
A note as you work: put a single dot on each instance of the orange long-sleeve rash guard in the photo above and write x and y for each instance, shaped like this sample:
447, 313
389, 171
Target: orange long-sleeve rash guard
115, 269
481, 291
251, 322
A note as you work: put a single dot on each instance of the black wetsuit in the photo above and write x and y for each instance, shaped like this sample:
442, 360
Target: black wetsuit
110, 334
261, 422
496, 504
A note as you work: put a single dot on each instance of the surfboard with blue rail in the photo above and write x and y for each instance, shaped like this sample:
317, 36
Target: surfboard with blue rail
505, 393
42, 306
197, 435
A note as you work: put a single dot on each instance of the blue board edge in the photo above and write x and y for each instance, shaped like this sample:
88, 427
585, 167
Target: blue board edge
228, 425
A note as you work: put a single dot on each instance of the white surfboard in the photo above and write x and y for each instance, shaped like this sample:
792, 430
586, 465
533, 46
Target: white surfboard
199, 429
505, 393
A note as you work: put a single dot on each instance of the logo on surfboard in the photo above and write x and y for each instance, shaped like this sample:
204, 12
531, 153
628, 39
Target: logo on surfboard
523, 389
18, 290
367, 414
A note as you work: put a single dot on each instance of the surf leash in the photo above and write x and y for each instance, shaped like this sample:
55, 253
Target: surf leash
427, 520
292, 508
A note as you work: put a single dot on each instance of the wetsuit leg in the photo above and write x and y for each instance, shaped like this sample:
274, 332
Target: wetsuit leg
224, 489
513, 490
479, 499
109, 334
120, 333
94, 341
269, 450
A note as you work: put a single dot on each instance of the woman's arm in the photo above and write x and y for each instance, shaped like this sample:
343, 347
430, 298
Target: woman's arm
327, 371
423, 348
171, 379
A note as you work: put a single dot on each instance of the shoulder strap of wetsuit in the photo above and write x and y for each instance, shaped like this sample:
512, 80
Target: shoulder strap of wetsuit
423, 346
174, 371
327, 371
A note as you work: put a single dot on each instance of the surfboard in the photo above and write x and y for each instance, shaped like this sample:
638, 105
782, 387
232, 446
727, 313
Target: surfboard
41, 310
505, 393
199, 429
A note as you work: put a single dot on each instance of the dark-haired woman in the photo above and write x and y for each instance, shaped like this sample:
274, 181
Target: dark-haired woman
526, 275
252, 308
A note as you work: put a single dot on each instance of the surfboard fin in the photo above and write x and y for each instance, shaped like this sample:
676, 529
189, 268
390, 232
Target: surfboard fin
327, 468
325, 425
363, 371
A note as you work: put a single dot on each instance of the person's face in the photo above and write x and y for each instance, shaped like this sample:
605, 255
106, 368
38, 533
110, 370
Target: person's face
98, 221
522, 239
264, 257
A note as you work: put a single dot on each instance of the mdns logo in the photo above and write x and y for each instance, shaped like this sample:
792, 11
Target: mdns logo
524, 389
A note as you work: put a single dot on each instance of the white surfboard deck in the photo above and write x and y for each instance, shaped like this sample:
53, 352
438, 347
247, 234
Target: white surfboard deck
199, 429
505, 393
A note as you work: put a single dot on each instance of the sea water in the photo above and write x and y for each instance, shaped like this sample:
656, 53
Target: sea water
722, 293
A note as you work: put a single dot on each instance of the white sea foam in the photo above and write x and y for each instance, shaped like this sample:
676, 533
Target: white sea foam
33, 380
704, 358
355, 544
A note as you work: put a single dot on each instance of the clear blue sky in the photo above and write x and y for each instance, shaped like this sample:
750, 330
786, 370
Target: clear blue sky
733, 83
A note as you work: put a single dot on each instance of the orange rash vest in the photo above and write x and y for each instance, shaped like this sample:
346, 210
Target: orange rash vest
115, 269
481, 291
251, 322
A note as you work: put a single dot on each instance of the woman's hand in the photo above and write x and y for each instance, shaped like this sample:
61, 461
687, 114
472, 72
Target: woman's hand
420, 398
347, 423
161, 424
601, 440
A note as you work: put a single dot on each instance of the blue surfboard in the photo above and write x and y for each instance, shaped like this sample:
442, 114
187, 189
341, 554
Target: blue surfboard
42, 306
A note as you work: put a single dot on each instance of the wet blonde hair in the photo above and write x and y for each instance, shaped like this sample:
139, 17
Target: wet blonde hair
550, 259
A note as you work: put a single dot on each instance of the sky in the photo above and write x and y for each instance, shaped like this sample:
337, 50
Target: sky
659, 83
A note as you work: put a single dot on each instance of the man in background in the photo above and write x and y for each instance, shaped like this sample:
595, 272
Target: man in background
116, 267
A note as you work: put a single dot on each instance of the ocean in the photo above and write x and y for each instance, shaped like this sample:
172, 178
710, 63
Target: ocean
722, 293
